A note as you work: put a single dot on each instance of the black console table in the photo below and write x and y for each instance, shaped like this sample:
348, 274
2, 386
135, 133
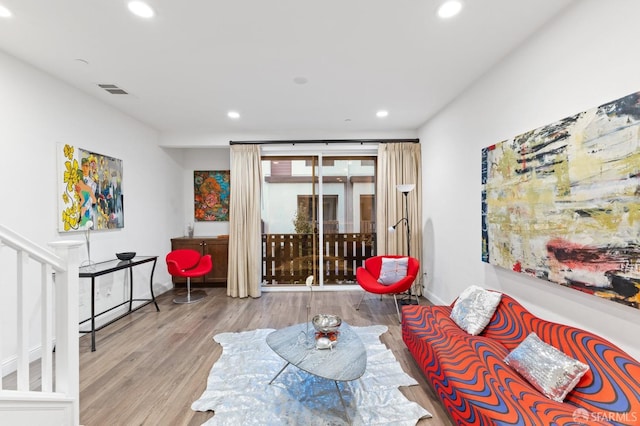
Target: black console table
97, 269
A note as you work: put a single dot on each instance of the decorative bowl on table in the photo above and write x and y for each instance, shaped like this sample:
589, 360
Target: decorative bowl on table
326, 323
126, 255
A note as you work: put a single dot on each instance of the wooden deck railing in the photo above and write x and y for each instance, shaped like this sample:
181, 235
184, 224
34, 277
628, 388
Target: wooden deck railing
289, 259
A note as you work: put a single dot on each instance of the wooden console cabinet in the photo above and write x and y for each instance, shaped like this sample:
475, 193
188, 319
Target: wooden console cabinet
218, 248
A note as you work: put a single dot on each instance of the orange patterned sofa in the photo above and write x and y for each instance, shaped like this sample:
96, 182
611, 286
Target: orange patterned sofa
477, 387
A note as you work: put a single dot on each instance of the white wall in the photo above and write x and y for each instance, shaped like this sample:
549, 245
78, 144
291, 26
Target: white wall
36, 113
585, 58
215, 158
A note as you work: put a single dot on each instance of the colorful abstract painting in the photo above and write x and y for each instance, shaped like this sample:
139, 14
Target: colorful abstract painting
562, 202
90, 186
211, 195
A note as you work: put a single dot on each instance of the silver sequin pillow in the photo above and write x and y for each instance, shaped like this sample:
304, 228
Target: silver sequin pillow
474, 308
549, 370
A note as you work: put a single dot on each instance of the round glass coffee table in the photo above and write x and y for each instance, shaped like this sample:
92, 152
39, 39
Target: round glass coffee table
346, 361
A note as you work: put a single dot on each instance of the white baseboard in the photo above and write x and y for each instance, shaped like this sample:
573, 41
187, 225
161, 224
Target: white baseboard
35, 408
10, 365
161, 288
432, 297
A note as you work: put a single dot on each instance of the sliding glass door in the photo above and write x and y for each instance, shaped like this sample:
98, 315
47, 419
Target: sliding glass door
289, 220
318, 218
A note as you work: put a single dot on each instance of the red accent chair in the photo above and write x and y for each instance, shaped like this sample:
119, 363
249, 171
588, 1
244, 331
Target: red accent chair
188, 263
367, 276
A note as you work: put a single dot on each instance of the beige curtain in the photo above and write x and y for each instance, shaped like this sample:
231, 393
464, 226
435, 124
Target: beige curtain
243, 279
399, 163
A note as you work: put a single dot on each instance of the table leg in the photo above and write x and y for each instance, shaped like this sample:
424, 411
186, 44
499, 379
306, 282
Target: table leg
280, 372
130, 287
93, 314
346, 413
153, 268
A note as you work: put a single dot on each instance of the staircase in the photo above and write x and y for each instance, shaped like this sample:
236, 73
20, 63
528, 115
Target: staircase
47, 322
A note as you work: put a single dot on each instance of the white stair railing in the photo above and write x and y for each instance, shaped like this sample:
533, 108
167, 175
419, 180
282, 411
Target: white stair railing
58, 310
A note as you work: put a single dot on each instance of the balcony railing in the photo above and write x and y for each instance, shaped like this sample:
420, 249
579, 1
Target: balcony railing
290, 258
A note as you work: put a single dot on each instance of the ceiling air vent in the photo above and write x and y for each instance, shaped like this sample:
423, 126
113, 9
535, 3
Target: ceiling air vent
113, 89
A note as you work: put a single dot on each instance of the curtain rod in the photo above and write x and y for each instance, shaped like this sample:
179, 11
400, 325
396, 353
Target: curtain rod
325, 141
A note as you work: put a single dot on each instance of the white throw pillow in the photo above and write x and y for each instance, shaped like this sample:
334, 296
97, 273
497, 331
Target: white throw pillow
393, 270
549, 370
474, 308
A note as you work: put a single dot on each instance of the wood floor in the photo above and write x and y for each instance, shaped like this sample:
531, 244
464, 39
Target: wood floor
150, 366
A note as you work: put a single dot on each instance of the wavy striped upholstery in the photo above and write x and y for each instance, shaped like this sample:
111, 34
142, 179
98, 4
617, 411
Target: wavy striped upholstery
476, 387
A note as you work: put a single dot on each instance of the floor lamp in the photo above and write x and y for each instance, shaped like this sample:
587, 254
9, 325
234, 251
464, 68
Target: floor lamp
405, 189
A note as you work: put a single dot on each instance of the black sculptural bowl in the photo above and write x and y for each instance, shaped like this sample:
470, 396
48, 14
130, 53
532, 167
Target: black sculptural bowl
127, 255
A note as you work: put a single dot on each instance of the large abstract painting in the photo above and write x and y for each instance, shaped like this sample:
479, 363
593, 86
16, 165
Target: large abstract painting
211, 195
90, 186
562, 202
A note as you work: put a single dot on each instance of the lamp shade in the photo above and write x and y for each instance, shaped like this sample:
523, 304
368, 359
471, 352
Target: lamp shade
407, 187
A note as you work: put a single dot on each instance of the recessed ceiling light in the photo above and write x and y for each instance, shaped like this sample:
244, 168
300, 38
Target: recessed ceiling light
233, 114
382, 113
449, 9
4, 12
141, 9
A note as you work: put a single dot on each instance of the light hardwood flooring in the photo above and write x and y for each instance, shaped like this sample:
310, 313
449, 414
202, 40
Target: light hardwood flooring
150, 366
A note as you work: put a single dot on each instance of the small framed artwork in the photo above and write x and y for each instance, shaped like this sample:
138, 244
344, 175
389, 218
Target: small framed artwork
211, 196
90, 190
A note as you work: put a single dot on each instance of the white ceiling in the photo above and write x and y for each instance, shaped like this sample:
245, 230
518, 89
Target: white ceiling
197, 59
